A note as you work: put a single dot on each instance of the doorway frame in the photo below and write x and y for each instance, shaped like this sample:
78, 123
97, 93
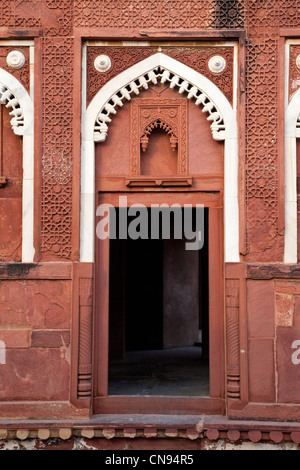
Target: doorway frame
121, 404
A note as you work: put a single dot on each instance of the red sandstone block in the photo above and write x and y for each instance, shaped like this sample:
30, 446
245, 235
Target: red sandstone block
284, 309
35, 374
261, 309
288, 368
50, 338
37, 304
15, 338
261, 370
297, 309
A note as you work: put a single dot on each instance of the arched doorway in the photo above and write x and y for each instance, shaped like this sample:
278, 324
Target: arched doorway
121, 170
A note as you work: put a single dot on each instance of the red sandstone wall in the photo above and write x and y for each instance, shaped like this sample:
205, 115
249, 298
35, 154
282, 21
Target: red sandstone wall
37, 313
35, 316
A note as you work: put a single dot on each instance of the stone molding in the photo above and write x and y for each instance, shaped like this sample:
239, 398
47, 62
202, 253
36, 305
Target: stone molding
212, 428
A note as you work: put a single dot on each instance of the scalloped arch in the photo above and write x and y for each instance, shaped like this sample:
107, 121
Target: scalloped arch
14, 96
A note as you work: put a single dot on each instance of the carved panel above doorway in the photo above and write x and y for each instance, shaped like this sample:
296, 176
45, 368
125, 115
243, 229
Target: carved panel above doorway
169, 116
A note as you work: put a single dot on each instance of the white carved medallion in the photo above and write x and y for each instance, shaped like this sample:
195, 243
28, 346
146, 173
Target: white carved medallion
102, 63
217, 64
15, 60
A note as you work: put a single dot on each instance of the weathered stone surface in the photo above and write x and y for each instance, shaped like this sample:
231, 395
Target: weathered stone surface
288, 364
260, 307
50, 338
284, 309
38, 304
15, 337
261, 370
287, 287
35, 374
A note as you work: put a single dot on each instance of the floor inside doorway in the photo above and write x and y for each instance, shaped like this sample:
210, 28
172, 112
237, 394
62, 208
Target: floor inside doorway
174, 372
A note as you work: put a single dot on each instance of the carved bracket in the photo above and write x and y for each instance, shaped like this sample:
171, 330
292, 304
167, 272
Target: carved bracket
155, 76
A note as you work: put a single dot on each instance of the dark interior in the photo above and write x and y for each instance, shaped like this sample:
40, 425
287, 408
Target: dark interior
153, 344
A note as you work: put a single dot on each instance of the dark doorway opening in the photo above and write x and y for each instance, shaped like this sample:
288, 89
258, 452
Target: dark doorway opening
158, 316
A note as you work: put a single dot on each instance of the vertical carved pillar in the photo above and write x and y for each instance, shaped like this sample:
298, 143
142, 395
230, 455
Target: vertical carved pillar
232, 339
85, 339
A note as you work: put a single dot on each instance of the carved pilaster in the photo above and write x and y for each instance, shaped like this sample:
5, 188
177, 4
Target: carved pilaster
232, 339
85, 339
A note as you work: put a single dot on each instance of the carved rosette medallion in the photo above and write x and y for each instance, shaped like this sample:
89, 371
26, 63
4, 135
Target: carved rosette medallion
217, 64
102, 63
15, 60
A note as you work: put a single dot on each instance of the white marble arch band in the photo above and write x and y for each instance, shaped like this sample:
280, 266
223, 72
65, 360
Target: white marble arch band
292, 132
214, 94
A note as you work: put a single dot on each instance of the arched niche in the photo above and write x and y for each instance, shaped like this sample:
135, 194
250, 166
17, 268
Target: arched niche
14, 96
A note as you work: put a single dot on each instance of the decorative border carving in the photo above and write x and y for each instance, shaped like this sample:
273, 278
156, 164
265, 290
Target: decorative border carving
294, 72
263, 237
195, 57
22, 74
141, 14
57, 164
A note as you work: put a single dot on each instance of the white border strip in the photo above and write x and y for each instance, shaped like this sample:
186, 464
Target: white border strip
291, 115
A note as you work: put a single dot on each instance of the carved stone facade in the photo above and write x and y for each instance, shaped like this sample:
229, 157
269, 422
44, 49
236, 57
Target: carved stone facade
216, 85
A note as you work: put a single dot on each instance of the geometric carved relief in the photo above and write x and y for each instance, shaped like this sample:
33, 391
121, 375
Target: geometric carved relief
157, 14
57, 169
155, 76
294, 72
264, 242
22, 74
123, 57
